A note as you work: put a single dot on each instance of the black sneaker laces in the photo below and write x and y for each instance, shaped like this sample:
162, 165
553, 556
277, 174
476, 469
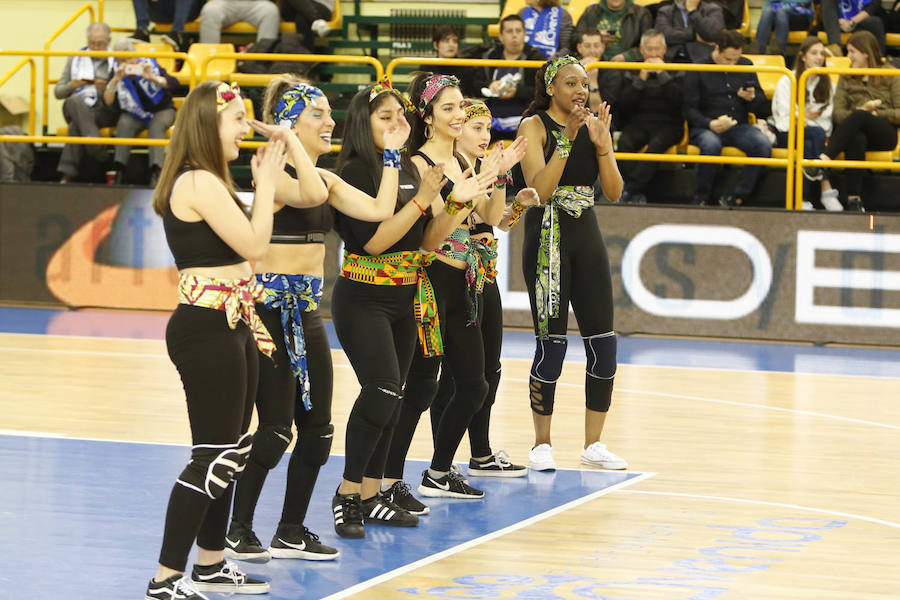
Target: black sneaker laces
309, 534
401, 488
352, 510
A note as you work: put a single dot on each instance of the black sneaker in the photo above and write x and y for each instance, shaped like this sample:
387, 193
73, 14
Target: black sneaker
451, 485
348, 519
242, 544
225, 578
176, 587
378, 510
176, 40
855, 205
296, 541
142, 35
498, 465
400, 494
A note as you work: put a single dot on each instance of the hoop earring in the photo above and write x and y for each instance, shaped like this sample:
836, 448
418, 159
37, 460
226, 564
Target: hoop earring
429, 133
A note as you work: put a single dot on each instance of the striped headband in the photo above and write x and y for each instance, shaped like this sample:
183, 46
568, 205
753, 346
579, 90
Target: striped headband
225, 93
475, 109
293, 102
557, 64
433, 87
384, 87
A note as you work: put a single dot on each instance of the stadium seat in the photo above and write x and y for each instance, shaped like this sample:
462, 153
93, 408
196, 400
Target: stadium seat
577, 8
836, 61
217, 69
767, 81
336, 23
166, 63
512, 7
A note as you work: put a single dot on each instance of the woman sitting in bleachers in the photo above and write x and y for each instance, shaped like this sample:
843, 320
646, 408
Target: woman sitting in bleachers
548, 27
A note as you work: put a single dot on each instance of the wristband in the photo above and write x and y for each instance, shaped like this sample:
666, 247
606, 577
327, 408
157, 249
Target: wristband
503, 180
517, 210
563, 144
419, 206
452, 207
391, 158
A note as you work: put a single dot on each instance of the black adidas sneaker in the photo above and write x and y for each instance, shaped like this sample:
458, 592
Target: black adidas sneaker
225, 578
498, 465
348, 519
451, 485
296, 541
400, 494
176, 587
242, 544
381, 511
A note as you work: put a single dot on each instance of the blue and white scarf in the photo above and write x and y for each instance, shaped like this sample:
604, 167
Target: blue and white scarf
542, 28
127, 93
83, 68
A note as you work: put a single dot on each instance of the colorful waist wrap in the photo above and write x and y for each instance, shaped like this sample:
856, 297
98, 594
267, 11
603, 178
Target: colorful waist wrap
573, 200
237, 297
293, 294
490, 263
402, 268
460, 246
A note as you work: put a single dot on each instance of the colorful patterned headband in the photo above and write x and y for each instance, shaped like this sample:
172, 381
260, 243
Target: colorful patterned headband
554, 67
475, 109
293, 102
225, 93
433, 87
384, 87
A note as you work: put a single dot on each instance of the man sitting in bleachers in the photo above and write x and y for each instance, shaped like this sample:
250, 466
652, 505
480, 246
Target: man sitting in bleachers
650, 109
717, 107
690, 26
605, 84
218, 14
310, 18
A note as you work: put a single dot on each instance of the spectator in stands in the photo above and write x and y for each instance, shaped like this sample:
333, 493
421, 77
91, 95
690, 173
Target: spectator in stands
866, 112
310, 18
507, 90
218, 14
717, 106
141, 89
445, 39
651, 106
819, 107
690, 26
784, 17
176, 12
852, 15
82, 83
605, 84
548, 27
892, 18
621, 23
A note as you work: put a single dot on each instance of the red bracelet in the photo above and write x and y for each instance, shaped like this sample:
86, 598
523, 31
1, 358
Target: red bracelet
419, 206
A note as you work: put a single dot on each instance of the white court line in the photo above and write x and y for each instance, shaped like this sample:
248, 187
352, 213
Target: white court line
480, 540
37, 434
764, 503
85, 352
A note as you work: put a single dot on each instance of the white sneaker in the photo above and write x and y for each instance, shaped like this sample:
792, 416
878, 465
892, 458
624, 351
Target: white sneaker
806, 205
598, 456
320, 27
830, 200
540, 458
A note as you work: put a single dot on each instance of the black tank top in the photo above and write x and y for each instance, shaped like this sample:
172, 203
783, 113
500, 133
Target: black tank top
448, 187
301, 225
481, 226
582, 167
195, 244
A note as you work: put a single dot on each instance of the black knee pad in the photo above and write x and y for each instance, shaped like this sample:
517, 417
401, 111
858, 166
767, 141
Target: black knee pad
214, 466
601, 355
548, 358
420, 393
598, 393
470, 394
314, 445
542, 396
376, 405
269, 444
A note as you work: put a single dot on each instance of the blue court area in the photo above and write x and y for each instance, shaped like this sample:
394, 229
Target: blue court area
83, 519
663, 352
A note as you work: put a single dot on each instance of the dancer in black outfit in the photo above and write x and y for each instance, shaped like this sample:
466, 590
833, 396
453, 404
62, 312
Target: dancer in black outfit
376, 305
564, 258
214, 335
297, 386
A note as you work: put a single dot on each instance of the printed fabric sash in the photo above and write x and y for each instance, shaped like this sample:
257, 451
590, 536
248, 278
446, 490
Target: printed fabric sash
403, 268
293, 294
130, 101
490, 264
573, 200
460, 246
542, 28
83, 68
237, 297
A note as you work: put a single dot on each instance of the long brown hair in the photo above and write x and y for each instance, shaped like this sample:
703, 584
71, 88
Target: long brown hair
866, 43
195, 144
822, 91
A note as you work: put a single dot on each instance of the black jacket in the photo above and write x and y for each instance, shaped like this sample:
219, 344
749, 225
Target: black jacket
709, 95
657, 100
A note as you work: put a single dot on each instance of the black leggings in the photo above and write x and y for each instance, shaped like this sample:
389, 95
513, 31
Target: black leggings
492, 338
856, 134
464, 353
585, 281
278, 403
377, 329
219, 368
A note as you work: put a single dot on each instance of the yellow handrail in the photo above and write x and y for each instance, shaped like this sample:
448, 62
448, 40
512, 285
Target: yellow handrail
56, 34
100, 10
801, 110
32, 109
461, 62
339, 58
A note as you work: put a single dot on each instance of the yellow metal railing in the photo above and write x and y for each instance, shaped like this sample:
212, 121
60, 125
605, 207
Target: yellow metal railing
801, 109
32, 109
263, 79
85, 8
461, 62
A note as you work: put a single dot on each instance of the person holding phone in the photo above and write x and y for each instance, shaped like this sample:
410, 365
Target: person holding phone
621, 23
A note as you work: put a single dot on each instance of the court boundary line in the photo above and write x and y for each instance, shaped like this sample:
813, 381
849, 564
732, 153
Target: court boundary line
384, 577
766, 503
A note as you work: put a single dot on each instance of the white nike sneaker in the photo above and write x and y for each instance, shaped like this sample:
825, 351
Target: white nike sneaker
540, 458
296, 541
598, 456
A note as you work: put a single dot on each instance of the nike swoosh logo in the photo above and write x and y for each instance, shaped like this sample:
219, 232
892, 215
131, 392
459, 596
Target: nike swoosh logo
443, 486
300, 546
232, 544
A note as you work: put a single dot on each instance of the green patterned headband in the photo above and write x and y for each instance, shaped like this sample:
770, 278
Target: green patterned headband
557, 64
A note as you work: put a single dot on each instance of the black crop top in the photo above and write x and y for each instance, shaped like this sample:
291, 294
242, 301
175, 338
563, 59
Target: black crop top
301, 225
582, 167
448, 187
195, 244
355, 233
